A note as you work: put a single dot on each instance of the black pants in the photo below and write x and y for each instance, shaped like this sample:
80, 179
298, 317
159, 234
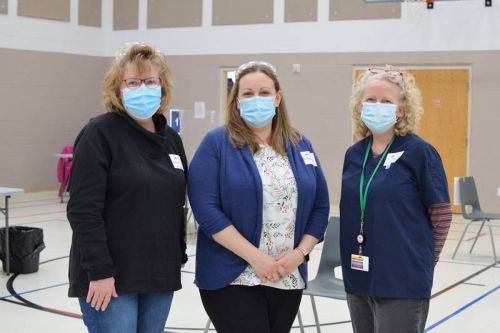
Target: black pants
258, 309
387, 315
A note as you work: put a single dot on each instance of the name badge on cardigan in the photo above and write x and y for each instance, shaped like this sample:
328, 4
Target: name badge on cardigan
176, 161
309, 158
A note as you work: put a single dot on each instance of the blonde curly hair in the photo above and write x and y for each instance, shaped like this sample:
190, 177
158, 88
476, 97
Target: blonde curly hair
410, 99
142, 55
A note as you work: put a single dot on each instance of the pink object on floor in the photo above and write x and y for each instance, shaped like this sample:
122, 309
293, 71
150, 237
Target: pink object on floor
63, 169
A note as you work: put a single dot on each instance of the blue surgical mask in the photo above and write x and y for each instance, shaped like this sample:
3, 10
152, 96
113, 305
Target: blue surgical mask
378, 117
257, 111
143, 102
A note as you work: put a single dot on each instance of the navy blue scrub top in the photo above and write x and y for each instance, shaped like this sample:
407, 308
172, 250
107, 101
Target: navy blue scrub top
397, 230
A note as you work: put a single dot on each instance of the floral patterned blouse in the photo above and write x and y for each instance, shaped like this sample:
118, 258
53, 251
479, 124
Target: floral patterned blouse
279, 209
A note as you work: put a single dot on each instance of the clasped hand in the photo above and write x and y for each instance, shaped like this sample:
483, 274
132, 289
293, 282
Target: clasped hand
276, 269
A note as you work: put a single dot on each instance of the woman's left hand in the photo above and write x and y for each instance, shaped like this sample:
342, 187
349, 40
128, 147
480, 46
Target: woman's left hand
290, 260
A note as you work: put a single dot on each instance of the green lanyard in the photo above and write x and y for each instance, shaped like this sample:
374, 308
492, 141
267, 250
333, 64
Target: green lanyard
364, 194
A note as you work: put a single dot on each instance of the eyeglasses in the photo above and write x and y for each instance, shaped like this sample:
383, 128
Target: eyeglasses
391, 72
150, 82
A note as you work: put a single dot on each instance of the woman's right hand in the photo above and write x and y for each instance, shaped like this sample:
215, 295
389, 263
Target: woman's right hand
266, 268
100, 293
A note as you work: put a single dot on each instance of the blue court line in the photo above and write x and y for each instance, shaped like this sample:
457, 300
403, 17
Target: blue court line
35, 290
461, 309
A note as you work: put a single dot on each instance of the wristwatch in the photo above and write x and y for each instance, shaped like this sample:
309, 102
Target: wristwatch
305, 253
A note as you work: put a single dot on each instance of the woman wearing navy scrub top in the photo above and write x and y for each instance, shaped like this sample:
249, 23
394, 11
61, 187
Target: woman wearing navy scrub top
394, 208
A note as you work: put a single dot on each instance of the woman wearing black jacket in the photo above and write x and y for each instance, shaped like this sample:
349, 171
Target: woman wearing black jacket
127, 192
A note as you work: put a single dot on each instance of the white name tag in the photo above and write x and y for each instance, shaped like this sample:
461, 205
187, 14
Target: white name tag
308, 158
176, 161
391, 158
360, 263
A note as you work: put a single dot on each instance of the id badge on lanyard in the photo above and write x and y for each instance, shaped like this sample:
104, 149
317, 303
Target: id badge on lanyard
359, 261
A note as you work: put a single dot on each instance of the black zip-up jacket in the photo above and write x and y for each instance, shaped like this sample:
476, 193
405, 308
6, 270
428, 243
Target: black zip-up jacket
126, 206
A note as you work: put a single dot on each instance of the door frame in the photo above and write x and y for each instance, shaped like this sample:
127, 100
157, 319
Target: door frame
223, 92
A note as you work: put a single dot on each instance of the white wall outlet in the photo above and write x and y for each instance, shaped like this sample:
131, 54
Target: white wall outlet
498, 191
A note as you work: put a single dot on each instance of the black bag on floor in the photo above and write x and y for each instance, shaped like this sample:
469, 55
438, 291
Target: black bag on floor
25, 245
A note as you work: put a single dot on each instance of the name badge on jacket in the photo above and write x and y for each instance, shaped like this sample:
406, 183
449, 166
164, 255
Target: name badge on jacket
176, 161
308, 158
392, 158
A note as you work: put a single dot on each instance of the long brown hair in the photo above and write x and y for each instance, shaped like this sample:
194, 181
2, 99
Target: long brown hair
240, 134
142, 55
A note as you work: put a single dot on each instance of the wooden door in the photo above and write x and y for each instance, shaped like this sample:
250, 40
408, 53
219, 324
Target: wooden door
444, 124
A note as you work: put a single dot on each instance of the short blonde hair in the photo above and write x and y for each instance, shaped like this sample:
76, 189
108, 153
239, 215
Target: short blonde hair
240, 133
410, 99
143, 56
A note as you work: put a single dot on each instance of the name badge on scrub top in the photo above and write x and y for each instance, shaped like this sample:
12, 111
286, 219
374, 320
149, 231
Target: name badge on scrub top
308, 158
360, 263
176, 161
392, 158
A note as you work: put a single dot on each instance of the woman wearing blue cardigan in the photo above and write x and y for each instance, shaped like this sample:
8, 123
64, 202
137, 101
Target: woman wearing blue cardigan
258, 193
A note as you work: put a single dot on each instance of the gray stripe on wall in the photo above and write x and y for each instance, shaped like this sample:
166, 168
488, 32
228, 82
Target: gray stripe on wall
301, 10
233, 12
125, 14
174, 13
46, 9
4, 8
89, 13
359, 10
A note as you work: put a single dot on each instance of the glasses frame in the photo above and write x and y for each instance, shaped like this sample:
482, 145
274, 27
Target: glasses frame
141, 81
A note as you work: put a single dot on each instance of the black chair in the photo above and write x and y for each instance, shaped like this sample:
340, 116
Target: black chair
325, 284
471, 211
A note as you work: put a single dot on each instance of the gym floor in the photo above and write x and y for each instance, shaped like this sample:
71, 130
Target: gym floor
466, 295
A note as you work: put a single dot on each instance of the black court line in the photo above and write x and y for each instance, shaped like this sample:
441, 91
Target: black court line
298, 327
38, 222
17, 200
439, 293
53, 259
466, 263
187, 272
22, 205
474, 284
25, 302
472, 235
29, 304
38, 214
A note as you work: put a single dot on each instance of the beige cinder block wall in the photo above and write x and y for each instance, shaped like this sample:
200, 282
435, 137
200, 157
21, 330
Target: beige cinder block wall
47, 97
318, 99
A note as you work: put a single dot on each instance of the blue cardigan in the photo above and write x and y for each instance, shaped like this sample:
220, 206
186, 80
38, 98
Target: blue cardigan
225, 188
